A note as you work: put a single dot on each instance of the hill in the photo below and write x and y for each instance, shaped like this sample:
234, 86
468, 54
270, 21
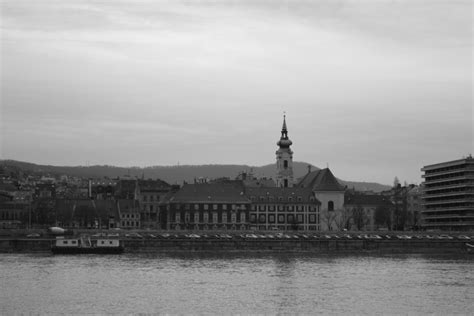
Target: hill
172, 174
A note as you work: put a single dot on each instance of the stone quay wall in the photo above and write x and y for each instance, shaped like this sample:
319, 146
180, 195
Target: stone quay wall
24, 245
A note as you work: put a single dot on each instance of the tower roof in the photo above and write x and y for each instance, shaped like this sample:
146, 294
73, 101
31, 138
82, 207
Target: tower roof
284, 141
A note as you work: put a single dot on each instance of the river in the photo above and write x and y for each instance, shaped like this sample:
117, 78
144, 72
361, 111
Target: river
225, 283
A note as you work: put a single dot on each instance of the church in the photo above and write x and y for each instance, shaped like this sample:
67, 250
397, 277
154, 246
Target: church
322, 182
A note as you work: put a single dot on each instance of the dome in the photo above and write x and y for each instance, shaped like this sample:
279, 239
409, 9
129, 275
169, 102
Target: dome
284, 143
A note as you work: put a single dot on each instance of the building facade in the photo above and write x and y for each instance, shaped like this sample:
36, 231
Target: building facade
205, 206
283, 209
448, 195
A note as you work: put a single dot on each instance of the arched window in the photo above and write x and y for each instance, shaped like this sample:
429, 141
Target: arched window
285, 164
285, 183
330, 206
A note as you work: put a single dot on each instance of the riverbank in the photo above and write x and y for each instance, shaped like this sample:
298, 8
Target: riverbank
26, 245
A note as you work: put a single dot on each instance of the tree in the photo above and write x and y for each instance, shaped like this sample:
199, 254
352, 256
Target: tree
382, 216
359, 217
342, 219
328, 217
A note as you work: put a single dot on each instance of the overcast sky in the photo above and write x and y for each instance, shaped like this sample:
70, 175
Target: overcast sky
375, 89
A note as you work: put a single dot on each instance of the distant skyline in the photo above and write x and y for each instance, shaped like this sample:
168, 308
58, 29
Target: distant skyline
374, 89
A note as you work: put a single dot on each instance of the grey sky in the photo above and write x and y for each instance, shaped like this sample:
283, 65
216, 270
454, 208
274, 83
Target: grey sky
377, 89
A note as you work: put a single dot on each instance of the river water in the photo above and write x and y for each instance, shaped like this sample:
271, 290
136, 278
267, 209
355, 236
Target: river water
219, 283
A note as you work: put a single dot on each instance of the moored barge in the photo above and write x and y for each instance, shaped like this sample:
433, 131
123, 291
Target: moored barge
87, 246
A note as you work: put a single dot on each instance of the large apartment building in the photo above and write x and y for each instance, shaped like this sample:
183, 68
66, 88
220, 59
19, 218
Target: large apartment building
448, 195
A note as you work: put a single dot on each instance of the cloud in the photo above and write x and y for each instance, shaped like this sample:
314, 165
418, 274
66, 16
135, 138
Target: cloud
362, 82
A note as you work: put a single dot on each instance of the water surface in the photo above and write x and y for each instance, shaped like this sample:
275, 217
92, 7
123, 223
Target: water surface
236, 283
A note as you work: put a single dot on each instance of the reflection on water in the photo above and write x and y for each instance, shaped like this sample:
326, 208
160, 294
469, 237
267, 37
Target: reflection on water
236, 283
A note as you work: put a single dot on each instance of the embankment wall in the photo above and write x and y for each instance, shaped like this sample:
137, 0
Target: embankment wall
18, 245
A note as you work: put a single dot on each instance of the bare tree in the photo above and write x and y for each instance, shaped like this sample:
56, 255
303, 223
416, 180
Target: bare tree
383, 216
342, 219
359, 217
328, 217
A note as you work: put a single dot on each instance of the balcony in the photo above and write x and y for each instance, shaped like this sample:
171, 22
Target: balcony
450, 208
448, 179
453, 193
451, 186
427, 217
437, 224
461, 168
465, 200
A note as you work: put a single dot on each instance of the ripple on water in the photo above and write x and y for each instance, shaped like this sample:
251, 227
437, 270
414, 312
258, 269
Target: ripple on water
235, 283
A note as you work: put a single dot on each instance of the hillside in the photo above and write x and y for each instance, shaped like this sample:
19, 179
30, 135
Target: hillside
172, 174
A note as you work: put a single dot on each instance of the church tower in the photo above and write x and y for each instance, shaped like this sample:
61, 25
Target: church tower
284, 157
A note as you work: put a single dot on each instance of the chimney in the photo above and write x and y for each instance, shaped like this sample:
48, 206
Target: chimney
309, 168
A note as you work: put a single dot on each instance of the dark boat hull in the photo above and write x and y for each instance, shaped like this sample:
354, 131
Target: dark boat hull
86, 250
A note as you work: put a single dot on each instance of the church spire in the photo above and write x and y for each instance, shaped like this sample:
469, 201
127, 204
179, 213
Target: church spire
284, 130
284, 142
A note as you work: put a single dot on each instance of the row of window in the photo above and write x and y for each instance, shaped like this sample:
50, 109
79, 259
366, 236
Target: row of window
13, 215
131, 215
130, 223
299, 208
205, 217
214, 206
151, 198
282, 219
279, 199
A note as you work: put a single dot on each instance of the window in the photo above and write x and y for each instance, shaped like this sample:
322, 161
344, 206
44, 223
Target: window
281, 218
214, 207
312, 218
214, 217
145, 198
330, 206
206, 217
271, 219
285, 183
300, 199
290, 199
196, 217
262, 218
178, 217
233, 217
151, 198
196, 207
242, 217
285, 164
224, 217
253, 218
206, 207
224, 206
300, 218
187, 207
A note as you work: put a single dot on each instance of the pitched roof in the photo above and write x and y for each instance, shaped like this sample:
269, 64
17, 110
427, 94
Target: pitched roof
266, 194
320, 180
210, 192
